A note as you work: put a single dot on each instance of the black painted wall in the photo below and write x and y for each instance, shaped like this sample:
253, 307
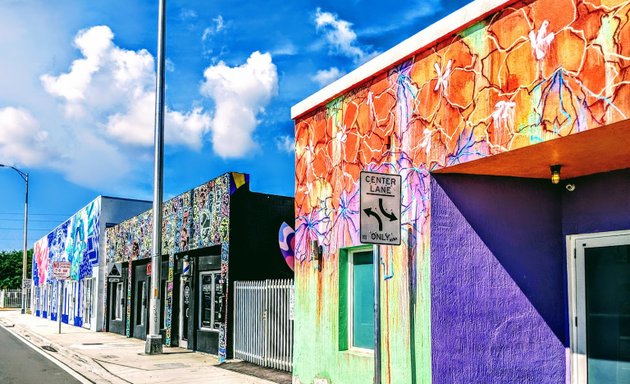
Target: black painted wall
255, 220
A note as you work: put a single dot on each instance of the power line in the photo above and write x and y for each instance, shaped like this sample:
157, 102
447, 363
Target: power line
36, 214
22, 228
32, 220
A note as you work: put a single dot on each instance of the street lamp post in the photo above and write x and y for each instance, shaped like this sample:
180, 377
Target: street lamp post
153, 343
24, 176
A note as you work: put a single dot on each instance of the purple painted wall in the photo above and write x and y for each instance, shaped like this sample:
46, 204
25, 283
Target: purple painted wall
498, 281
498, 271
599, 203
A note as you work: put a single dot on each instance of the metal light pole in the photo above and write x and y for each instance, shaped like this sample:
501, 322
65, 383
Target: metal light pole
153, 343
24, 176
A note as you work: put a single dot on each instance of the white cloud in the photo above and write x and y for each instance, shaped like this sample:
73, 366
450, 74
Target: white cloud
285, 143
114, 89
414, 10
187, 14
339, 35
423, 8
22, 141
71, 86
288, 49
326, 76
240, 94
97, 163
169, 65
217, 26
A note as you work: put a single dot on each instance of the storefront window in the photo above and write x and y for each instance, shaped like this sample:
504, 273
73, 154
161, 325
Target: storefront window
210, 297
118, 301
141, 308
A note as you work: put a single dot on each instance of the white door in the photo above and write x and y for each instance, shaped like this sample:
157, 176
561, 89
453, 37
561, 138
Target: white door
600, 337
74, 302
88, 293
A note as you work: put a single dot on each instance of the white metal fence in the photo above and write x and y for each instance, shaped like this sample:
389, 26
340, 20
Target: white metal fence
11, 298
263, 323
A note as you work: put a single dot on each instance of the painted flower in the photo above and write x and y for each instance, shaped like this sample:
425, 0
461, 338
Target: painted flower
308, 229
346, 222
503, 116
442, 77
541, 41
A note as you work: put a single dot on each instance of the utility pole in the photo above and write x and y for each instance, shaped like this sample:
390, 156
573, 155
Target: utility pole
24, 177
153, 344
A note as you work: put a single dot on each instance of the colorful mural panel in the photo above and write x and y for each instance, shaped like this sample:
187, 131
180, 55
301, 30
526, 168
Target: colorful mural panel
76, 241
532, 72
195, 219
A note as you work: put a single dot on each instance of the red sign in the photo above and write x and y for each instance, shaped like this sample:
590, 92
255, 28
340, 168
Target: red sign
61, 270
149, 269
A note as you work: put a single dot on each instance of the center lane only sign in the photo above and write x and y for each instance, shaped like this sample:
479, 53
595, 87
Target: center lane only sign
380, 208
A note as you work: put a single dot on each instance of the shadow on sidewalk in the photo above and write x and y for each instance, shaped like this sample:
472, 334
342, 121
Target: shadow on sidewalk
280, 377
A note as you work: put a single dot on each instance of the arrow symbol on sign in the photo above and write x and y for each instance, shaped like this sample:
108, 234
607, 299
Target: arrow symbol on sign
390, 216
369, 212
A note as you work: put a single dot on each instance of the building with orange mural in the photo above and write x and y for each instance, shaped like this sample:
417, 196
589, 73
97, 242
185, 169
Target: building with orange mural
502, 276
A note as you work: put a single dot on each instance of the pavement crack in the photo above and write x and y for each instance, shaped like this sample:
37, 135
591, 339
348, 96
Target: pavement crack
99, 362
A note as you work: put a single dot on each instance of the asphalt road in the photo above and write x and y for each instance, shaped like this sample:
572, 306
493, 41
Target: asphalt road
20, 364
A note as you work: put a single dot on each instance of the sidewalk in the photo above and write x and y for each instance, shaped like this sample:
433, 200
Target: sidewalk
103, 357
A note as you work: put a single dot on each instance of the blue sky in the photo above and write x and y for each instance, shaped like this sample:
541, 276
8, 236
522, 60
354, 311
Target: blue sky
77, 92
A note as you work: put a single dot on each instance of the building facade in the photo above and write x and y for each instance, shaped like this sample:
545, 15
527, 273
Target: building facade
502, 276
213, 235
79, 241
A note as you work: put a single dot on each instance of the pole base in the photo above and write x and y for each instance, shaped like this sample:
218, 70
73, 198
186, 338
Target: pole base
153, 345
23, 311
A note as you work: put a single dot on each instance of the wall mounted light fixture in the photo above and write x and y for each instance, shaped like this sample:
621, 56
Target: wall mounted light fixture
555, 173
317, 254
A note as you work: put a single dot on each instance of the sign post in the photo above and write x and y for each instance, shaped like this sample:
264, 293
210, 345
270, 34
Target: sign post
379, 223
60, 285
61, 272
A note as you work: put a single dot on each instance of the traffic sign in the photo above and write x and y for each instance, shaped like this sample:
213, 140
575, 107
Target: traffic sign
379, 219
26, 283
61, 270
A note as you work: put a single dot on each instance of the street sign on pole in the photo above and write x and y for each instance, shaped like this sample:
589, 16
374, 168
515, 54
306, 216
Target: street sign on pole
61, 270
379, 219
379, 223
59, 293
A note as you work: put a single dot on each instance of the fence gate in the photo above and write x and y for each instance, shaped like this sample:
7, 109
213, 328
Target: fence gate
263, 323
12, 298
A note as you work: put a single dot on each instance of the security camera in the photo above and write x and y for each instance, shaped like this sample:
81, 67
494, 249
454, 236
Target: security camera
570, 187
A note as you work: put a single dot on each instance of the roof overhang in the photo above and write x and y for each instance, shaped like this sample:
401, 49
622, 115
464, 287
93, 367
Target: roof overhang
597, 150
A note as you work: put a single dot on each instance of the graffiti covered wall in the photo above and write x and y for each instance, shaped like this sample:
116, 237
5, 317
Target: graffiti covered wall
196, 219
531, 72
76, 241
